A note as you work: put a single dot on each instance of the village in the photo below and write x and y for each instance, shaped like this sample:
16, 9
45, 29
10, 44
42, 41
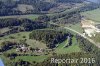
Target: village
22, 49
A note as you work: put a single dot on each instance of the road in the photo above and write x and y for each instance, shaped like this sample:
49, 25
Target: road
96, 44
25, 16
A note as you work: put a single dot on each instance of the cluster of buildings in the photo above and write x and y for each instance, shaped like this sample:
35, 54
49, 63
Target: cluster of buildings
90, 28
23, 48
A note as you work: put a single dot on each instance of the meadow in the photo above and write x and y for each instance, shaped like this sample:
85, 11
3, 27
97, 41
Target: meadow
61, 49
77, 27
92, 15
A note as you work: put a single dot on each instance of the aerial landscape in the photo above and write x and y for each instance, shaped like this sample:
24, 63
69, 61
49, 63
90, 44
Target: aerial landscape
49, 32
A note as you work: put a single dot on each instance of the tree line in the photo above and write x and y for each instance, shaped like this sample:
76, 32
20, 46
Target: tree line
8, 7
19, 25
26, 23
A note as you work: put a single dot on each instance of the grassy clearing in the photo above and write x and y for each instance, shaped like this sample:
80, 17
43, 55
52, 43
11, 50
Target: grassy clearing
3, 30
93, 15
76, 27
74, 48
32, 58
19, 36
33, 17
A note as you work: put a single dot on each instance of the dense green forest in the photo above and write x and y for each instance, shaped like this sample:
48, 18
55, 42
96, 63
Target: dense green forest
49, 37
11, 7
20, 25
70, 18
26, 23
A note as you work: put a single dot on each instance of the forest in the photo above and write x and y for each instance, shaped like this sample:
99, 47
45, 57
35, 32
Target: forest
11, 7
49, 37
20, 25
26, 23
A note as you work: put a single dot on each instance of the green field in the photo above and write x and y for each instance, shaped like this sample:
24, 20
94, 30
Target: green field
32, 58
73, 48
33, 17
76, 27
93, 15
16, 36
25, 58
19, 36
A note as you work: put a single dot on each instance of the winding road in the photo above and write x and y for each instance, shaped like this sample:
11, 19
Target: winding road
25, 16
96, 44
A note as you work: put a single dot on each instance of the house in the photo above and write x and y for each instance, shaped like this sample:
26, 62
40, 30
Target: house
22, 48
